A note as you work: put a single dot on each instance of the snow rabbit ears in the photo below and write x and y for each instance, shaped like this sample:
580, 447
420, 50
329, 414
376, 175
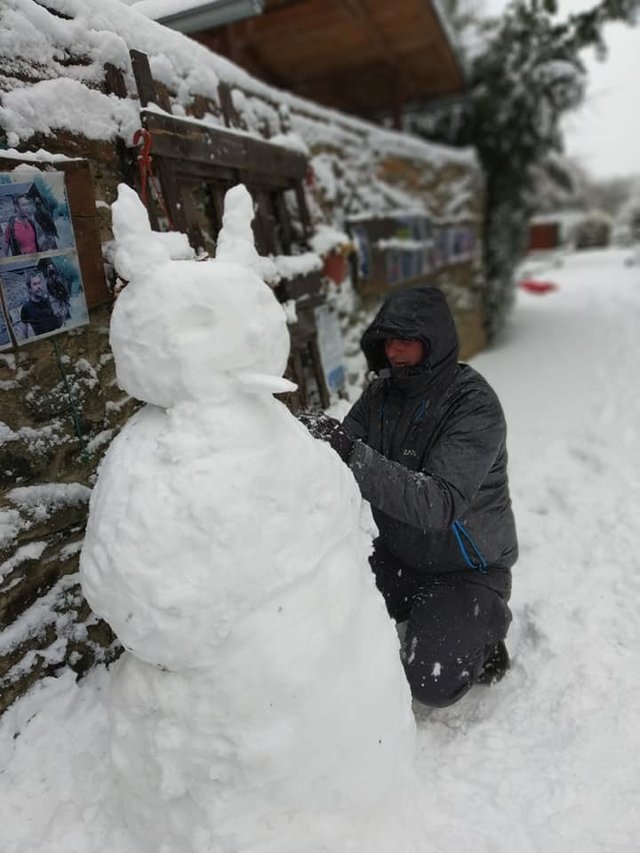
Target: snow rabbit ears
194, 330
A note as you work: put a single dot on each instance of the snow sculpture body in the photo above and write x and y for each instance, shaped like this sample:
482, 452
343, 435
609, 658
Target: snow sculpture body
261, 704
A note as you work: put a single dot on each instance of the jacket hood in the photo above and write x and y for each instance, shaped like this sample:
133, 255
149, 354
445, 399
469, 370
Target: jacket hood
420, 313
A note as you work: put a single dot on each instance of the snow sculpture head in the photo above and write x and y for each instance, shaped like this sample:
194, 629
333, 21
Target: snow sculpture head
190, 330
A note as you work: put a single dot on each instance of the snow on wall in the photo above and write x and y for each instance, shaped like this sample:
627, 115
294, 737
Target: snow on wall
66, 92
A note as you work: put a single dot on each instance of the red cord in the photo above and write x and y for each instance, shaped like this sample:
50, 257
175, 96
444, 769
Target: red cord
147, 178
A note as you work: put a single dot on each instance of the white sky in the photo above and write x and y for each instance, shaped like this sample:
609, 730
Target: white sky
604, 134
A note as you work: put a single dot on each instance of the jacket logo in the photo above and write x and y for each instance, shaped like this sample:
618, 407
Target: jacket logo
409, 452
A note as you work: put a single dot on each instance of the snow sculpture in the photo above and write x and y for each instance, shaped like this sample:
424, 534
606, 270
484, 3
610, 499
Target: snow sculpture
261, 704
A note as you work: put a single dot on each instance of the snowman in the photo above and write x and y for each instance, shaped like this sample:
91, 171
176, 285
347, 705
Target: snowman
260, 705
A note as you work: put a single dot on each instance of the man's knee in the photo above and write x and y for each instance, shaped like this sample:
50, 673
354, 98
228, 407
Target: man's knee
438, 685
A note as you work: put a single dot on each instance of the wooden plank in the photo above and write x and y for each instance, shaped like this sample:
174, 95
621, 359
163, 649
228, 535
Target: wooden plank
82, 205
231, 117
172, 194
187, 140
144, 80
205, 172
114, 81
303, 209
147, 90
284, 221
307, 285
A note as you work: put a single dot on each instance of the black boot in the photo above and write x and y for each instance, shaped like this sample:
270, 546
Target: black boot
495, 665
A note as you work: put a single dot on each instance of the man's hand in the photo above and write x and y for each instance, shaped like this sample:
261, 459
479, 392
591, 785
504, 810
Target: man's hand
328, 429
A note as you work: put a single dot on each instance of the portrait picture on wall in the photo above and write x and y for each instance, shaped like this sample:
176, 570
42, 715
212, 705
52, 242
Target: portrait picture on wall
393, 267
331, 347
363, 250
461, 243
5, 339
43, 295
34, 214
441, 246
39, 270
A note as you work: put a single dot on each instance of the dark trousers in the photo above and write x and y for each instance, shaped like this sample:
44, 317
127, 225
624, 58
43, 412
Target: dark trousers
452, 622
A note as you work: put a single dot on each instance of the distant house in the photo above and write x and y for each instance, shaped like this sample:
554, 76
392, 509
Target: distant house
554, 230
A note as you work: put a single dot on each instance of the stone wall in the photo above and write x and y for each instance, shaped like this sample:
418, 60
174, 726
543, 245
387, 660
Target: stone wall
60, 408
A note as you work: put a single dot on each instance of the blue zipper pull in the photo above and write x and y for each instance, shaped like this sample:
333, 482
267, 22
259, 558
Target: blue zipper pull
461, 533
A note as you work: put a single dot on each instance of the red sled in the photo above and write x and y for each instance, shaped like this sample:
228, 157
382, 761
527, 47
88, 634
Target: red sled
533, 286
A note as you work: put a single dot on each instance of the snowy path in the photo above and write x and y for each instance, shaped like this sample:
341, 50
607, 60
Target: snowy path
546, 760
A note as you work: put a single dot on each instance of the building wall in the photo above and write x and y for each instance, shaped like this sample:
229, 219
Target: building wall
66, 86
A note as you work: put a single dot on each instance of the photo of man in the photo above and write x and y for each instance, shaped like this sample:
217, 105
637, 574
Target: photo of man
40, 279
34, 214
36, 313
58, 288
21, 231
43, 297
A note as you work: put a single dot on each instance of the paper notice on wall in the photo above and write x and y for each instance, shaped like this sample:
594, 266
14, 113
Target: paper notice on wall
331, 347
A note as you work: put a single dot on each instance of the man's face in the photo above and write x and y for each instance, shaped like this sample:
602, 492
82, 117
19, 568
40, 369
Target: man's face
37, 288
403, 353
24, 207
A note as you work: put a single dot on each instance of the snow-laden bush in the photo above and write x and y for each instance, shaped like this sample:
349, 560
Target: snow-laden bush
627, 222
592, 231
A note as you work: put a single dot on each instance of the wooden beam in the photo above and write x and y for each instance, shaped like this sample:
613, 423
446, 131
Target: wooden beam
147, 90
193, 142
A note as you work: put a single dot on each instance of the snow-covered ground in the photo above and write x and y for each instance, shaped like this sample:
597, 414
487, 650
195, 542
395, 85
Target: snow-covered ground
547, 759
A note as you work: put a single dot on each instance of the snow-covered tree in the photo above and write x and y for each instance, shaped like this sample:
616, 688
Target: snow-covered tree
528, 75
627, 227
592, 230
559, 183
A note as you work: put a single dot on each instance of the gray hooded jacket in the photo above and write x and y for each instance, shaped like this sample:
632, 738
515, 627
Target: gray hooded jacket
431, 457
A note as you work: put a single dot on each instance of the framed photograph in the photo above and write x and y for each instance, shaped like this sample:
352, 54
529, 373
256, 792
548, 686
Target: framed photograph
428, 260
411, 264
331, 347
34, 214
44, 295
455, 243
461, 243
5, 338
442, 246
40, 276
363, 250
393, 263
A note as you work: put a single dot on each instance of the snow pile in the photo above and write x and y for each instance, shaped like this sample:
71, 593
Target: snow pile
327, 239
261, 705
545, 760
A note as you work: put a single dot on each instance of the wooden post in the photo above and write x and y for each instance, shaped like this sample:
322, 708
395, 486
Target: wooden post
147, 90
